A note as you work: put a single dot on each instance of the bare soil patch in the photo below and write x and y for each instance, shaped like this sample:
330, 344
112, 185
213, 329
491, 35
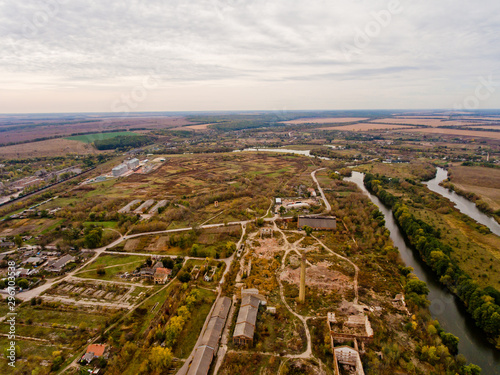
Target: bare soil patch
320, 276
268, 248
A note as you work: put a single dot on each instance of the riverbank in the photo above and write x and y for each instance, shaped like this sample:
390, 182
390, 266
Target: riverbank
449, 310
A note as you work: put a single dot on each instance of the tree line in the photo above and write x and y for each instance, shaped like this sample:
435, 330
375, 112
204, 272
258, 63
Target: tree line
482, 303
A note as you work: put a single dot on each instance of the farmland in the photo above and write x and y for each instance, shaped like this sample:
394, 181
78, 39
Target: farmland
482, 181
364, 126
89, 138
457, 132
330, 120
48, 148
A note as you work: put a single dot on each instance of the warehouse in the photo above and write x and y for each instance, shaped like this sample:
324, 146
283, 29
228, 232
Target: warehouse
318, 222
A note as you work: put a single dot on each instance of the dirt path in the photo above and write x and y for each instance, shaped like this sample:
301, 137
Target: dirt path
293, 247
184, 369
327, 204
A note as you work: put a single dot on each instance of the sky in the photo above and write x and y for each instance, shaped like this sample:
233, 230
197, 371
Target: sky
195, 55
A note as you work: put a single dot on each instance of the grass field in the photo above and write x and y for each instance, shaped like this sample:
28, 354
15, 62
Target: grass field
89, 138
194, 325
59, 317
477, 254
113, 265
482, 181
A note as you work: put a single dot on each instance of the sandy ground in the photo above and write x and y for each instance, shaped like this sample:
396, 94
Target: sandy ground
327, 120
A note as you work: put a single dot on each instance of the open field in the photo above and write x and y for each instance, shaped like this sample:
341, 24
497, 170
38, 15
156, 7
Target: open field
328, 120
25, 128
51, 147
456, 132
89, 138
364, 127
482, 181
194, 127
425, 121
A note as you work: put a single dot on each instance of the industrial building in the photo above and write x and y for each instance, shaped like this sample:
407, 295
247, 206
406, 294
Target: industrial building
318, 222
119, 170
132, 163
247, 317
207, 349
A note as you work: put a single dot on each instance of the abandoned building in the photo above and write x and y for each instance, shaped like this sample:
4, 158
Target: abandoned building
247, 317
347, 356
161, 275
318, 222
209, 344
353, 329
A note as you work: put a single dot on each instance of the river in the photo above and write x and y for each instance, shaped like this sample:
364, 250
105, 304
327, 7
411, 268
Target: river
462, 204
445, 307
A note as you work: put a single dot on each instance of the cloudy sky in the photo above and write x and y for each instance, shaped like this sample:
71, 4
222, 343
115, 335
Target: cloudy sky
180, 55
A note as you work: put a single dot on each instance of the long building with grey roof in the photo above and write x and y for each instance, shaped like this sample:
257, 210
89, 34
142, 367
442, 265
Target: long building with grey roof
209, 344
247, 317
318, 222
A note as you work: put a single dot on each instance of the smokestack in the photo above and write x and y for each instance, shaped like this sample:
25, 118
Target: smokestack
302, 288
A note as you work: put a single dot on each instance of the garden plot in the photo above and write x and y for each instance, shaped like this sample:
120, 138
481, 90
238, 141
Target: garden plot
100, 292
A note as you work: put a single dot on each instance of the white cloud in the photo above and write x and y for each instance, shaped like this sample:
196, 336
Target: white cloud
90, 46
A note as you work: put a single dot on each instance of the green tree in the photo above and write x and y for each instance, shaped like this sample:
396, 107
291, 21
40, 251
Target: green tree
23, 283
184, 277
471, 370
18, 240
307, 229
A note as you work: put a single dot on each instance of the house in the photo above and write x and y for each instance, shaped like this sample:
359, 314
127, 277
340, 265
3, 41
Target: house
35, 261
24, 272
58, 265
147, 272
161, 275
95, 351
158, 264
